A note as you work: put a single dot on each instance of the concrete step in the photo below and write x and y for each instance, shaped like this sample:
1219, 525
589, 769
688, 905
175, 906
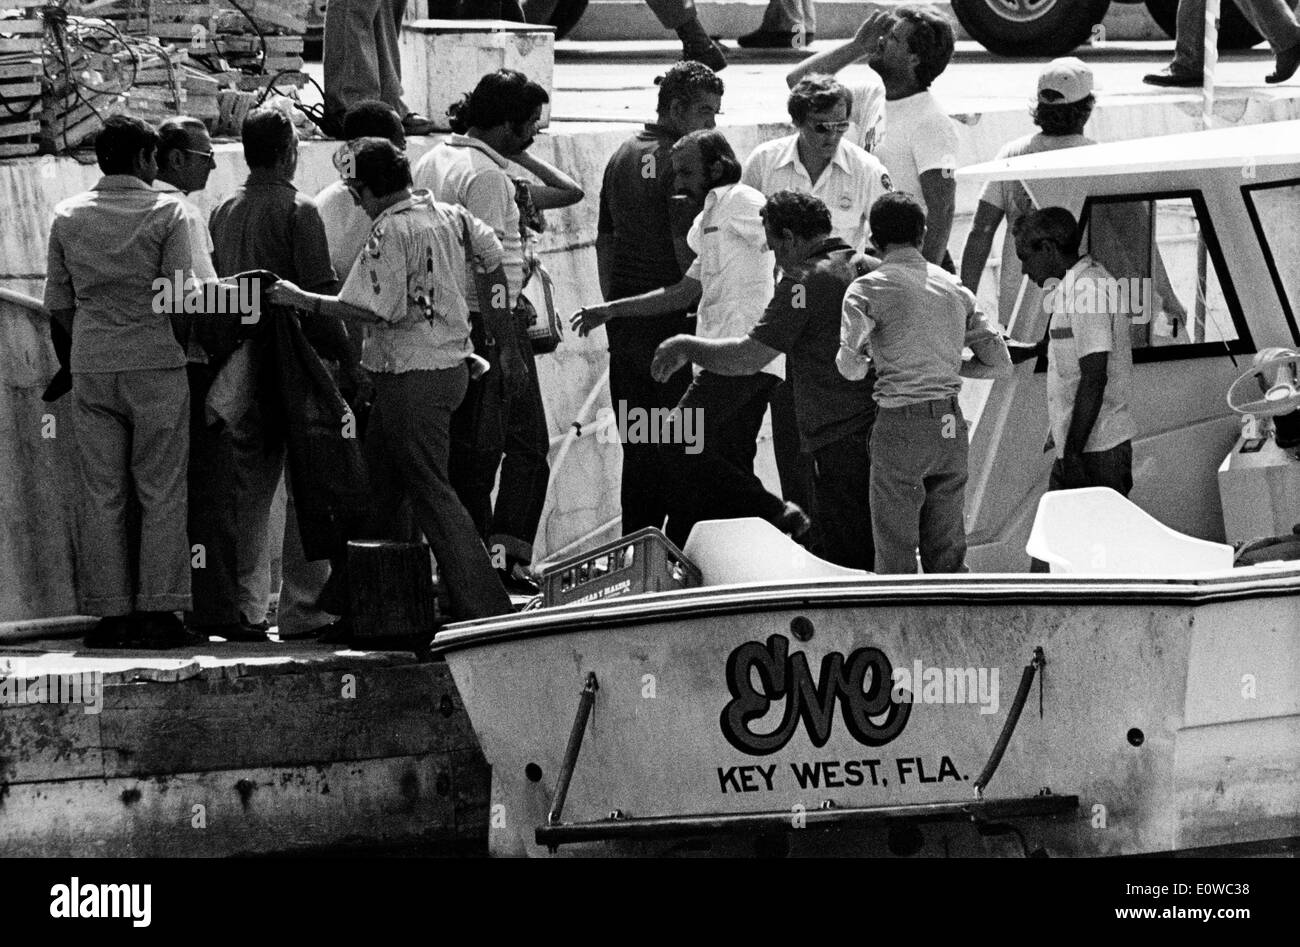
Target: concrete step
836, 19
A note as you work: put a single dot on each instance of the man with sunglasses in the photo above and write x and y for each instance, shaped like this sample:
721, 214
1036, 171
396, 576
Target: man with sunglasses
1089, 356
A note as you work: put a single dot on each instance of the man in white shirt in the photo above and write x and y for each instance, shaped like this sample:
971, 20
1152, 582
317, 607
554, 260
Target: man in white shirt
819, 160
908, 47
1089, 355
711, 438
502, 421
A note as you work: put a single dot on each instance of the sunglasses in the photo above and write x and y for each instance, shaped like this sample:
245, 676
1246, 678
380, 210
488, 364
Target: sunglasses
828, 128
206, 155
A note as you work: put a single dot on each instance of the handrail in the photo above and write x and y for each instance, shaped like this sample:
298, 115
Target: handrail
22, 299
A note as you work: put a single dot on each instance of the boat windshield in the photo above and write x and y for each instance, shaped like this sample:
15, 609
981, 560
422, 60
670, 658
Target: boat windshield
1274, 208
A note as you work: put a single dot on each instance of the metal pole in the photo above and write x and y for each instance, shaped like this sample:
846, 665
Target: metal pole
1211, 61
571, 751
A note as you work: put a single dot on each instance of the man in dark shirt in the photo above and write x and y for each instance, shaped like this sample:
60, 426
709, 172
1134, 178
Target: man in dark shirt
641, 246
269, 225
834, 415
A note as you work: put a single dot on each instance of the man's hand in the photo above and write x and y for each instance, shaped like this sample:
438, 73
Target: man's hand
587, 319
872, 31
1024, 351
284, 293
668, 358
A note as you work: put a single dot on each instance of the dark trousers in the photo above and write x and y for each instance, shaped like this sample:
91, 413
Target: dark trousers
491, 430
794, 467
843, 508
918, 487
1103, 468
710, 455
644, 491
406, 452
212, 501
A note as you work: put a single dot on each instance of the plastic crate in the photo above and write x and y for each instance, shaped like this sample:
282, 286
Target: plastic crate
645, 561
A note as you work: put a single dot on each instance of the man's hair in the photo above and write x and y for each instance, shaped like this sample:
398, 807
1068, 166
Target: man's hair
1050, 223
896, 217
268, 135
174, 135
373, 119
714, 149
686, 81
932, 41
1063, 118
121, 139
801, 214
817, 93
500, 98
380, 166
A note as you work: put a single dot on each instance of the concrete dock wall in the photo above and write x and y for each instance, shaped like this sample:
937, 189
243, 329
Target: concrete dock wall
38, 497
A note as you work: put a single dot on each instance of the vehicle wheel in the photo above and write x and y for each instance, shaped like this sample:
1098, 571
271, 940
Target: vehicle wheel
1235, 32
566, 16
1030, 27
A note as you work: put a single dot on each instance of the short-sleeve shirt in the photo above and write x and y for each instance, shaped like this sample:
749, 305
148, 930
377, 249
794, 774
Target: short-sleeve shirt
1086, 318
848, 186
915, 318
803, 321
1014, 201
347, 226
412, 273
465, 171
867, 111
269, 225
201, 245
107, 249
918, 137
733, 265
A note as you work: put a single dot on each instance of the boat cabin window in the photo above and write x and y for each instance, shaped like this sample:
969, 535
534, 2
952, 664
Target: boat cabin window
1274, 210
1169, 273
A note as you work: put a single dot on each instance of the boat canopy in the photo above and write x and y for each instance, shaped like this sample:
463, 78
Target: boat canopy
1250, 146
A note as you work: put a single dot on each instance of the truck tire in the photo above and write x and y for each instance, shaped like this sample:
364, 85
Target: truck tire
1235, 32
1030, 27
566, 16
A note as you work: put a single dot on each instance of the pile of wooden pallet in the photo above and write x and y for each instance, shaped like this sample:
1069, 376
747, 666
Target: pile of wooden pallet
20, 79
254, 43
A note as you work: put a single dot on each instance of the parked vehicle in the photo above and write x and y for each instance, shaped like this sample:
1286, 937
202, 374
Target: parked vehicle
1054, 27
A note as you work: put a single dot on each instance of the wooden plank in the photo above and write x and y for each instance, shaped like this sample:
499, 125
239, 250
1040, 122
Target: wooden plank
20, 70
18, 151
11, 91
22, 27
49, 741
21, 44
243, 811
19, 129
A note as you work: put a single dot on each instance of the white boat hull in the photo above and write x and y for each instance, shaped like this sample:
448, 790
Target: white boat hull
1171, 709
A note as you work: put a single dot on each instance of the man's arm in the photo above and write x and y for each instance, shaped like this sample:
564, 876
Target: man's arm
658, 302
854, 357
605, 241
833, 60
979, 244
939, 192
743, 355
992, 360
1087, 403
557, 189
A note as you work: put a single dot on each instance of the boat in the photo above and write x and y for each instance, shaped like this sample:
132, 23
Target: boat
1142, 697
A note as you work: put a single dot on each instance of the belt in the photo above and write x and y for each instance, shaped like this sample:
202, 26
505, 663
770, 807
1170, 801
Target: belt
934, 408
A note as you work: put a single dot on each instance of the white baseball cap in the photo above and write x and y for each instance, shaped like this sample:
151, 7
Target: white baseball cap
1065, 81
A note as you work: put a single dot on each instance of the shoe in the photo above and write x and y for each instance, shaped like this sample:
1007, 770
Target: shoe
332, 125
1287, 62
233, 631
712, 54
1170, 79
113, 631
162, 630
775, 39
336, 632
416, 124
793, 521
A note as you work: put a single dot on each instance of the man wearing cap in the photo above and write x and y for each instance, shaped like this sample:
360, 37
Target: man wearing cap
1273, 19
911, 320
1065, 102
1089, 358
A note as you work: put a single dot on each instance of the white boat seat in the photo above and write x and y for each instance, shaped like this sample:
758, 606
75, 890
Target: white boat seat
753, 550
1096, 530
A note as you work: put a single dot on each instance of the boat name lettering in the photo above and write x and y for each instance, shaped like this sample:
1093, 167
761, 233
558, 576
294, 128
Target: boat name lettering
870, 715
